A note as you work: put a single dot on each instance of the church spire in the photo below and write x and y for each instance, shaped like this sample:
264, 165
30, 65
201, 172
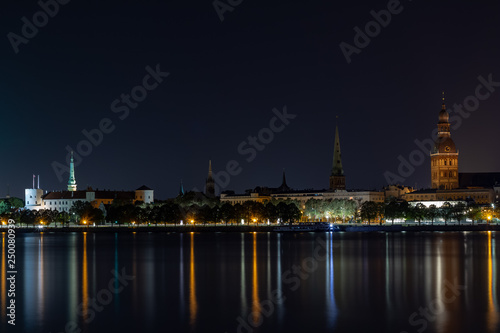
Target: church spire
337, 169
181, 189
72, 180
284, 187
210, 184
443, 106
337, 179
283, 183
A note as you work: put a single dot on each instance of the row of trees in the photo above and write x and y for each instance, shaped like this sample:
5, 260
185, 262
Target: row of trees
372, 211
172, 212
195, 208
336, 209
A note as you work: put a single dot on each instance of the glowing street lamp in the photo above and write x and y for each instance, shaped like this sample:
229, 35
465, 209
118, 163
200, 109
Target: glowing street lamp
192, 221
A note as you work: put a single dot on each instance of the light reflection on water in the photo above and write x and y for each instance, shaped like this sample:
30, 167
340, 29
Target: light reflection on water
193, 304
218, 278
492, 285
3, 283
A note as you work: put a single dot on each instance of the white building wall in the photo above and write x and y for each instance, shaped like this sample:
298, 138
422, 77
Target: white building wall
33, 198
145, 195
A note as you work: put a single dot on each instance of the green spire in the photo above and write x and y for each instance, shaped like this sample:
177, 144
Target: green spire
72, 180
181, 189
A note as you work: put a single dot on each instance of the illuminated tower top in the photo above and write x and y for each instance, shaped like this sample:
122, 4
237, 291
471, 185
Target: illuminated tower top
444, 155
72, 180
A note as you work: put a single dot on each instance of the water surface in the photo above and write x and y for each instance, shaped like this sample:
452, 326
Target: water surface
255, 282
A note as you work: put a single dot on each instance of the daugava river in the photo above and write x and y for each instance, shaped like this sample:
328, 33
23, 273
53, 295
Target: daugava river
253, 282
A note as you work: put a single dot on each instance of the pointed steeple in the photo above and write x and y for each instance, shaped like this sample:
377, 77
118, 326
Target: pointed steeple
443, 106
337, 169
210, 184
181, 189
337, 179
72, 180
210, 169
284, 187
283, 183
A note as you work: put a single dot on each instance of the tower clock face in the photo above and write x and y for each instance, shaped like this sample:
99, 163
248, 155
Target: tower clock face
447, 148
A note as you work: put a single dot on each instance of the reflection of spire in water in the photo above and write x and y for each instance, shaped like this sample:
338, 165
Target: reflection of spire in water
3, 282
41, 275
134, 271
116, 296
330, 284
269, 265
85, 286
255, 283
243, 288
181, 276
193, 305
492, 282
73, 277
278, 281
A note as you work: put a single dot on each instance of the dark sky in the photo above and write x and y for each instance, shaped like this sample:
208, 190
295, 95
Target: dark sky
225, 79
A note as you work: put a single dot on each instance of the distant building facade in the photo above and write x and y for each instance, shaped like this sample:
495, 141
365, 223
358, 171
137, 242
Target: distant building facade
478, 195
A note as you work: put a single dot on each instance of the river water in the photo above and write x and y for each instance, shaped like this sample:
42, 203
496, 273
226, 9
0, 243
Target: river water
253, 282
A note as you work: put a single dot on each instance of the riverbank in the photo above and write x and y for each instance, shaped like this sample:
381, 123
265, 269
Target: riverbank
256, 228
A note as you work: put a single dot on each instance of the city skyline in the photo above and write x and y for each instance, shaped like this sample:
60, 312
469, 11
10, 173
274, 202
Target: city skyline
211, 102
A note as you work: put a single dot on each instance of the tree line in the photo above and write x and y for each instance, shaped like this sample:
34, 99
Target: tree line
195, 208
400, 209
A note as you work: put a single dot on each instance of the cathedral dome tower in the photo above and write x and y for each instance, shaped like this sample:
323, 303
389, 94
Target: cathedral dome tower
444, 155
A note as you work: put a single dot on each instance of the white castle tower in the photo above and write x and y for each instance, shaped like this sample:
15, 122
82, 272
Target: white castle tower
33, 196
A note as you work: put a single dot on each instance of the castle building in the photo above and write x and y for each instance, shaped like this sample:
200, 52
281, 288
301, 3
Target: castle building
62, 201
444, 156
337, 178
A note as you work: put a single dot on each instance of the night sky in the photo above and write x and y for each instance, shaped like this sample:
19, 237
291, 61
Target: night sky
225, 79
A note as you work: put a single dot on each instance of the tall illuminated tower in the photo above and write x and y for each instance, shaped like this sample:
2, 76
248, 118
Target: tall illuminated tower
72, 180
444, 156
337, 178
